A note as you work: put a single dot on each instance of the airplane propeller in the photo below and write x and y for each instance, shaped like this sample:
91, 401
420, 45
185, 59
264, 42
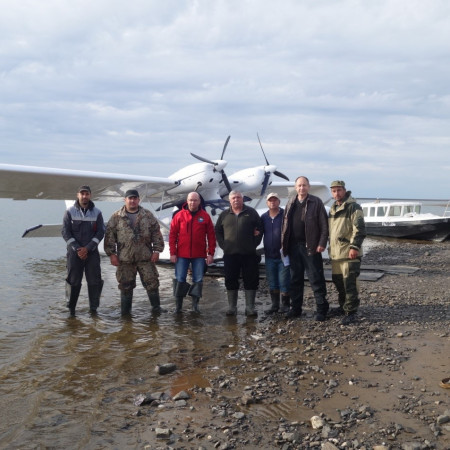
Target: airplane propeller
218, 164
268, 171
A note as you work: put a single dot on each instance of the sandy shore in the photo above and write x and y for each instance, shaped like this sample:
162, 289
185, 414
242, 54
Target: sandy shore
300, 384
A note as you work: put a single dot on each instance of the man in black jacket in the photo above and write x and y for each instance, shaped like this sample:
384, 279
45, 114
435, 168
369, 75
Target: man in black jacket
303, 238
238, 233
83, 229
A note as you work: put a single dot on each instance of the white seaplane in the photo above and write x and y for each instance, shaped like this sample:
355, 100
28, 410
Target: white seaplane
208, 178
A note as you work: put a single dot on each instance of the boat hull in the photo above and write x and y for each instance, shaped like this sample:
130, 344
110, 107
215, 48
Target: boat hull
429, 230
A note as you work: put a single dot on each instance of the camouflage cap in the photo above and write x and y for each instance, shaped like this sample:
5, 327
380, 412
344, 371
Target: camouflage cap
337, 183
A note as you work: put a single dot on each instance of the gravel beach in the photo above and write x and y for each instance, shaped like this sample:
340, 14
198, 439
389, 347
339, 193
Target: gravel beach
301, 384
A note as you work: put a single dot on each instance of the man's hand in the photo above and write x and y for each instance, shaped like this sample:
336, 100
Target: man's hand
173, 259
353, 254
114, 260
320, 249
155, 257
209, 259
82, 253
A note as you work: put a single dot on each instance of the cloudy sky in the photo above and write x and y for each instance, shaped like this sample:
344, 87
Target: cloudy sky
337, 89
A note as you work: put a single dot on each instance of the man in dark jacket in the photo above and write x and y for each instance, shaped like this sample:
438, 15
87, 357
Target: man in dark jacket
83, 229
238, 233
304, 238
277, 273
191, 241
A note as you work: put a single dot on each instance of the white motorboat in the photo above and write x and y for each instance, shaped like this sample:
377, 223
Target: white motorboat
403, 219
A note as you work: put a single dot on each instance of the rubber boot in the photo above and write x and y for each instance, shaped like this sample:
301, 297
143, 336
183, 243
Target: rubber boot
196, 292
275, 297
250, 295
285, 303
155, 302
72, 294
338, 281
94, 292
232, 302
126, 301
180, 290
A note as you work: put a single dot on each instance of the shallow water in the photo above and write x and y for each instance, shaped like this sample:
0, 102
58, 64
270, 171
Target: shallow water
71, 382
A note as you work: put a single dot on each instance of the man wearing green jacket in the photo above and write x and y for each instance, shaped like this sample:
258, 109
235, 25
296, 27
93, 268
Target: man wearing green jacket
347, 232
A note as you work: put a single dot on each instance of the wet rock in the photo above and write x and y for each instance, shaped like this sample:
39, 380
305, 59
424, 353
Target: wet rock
328, 446
412, 446
317, 422
182, 395
290, 436
443, 419
162, 433
163, 369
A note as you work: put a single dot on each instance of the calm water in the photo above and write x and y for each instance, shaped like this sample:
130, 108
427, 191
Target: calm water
70, 382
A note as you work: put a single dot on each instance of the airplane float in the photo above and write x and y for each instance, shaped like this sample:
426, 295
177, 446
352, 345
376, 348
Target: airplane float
208, 178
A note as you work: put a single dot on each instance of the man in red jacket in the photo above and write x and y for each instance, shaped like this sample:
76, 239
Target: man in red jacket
191, 240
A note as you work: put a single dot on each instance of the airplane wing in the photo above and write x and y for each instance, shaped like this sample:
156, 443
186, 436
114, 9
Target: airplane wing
26, 182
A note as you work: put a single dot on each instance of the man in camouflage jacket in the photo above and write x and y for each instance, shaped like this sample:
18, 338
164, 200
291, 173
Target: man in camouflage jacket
347, 232
133, 241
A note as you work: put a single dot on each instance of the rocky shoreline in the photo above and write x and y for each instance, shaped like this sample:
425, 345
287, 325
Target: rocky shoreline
301, 384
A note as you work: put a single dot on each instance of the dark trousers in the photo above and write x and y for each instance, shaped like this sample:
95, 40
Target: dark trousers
76, 267
248, 264
300, 262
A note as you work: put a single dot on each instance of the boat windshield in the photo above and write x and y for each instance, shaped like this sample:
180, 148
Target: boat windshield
395, 210
374, 211
409, 209
402, 210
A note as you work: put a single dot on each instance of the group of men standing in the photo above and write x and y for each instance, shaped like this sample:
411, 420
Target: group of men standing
294, 240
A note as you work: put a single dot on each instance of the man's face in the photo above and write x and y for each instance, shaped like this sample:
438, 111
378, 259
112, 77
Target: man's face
132, 203
302, 187
84, 198
193, 202
338, 193
236, 201
273, 203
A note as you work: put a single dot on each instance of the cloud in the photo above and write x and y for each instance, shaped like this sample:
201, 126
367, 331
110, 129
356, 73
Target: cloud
337, 89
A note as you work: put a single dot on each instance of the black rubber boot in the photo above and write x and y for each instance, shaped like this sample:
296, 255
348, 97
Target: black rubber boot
196, 292
180, 290
232, 302
250, 296
94, 292
275, 298
126, 302
285, 303
72, 294
155, 302
195, 301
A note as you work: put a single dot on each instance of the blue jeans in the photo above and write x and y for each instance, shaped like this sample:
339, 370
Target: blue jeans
313, 265
182, 266
278, 275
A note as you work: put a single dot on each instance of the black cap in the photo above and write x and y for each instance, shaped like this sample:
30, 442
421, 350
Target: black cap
85, 187
131, 193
